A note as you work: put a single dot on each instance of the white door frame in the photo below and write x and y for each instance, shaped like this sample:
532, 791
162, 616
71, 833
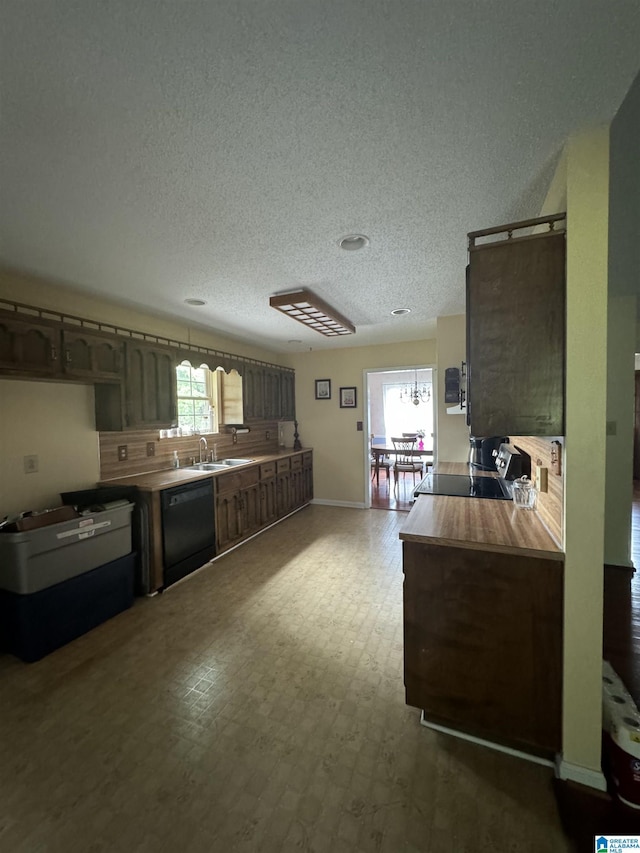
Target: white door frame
366, 427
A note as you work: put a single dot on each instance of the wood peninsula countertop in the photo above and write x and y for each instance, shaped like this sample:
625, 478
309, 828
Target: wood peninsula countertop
156, 481
478, 524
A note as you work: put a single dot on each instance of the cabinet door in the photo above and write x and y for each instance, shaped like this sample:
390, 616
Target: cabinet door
483, 643
151, 386
92, 356
250, 509
252, 393
228, 530
307, 474
271, 379
29, 348
283, 493
516, 337
297, 488
268, 502
287, 396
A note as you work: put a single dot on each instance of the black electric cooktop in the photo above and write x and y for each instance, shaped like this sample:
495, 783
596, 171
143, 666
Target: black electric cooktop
460, 485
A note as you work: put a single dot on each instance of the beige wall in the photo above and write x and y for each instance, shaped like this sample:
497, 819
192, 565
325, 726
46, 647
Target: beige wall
587, 251
339, 449
620, 419
453, 432
54, 421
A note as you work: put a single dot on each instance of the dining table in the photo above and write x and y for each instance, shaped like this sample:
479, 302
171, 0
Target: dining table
387, 448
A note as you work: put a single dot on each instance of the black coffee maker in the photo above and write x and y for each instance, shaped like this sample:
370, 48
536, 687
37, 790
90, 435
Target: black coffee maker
484, 449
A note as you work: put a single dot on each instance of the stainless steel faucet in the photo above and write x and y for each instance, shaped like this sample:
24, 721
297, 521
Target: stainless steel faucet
203, 445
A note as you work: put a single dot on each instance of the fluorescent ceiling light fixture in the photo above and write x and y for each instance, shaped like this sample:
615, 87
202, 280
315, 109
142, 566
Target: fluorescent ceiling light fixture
398, 312
308, 309
197, 302
353, 242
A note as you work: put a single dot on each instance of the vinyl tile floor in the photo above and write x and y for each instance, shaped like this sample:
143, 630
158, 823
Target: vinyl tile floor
258, 705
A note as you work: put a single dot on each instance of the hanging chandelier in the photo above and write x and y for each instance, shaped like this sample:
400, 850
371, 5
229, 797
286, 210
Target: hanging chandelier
415, 395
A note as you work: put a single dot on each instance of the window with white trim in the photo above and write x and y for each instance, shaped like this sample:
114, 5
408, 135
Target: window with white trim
197, 393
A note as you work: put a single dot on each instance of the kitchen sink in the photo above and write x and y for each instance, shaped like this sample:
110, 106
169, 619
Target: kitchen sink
207, 466
221, 465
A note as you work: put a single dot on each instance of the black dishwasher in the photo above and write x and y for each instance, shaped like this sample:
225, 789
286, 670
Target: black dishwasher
188, 529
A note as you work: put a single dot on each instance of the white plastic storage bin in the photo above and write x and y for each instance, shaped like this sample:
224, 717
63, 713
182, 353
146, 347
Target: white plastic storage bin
37, 559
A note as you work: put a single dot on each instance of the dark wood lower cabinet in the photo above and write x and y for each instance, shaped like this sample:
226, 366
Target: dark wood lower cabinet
227, 521
268, 501
483, 643
252, 498
307, 476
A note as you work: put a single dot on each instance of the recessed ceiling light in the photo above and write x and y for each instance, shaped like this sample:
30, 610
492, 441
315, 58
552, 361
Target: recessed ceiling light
294, 342
398, 312
197, 302
353, 242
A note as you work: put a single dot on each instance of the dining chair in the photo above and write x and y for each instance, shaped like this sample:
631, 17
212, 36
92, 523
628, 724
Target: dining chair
383, 464
405, 461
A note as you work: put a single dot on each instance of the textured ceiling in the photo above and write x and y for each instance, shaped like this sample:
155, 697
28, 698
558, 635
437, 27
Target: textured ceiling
158, 150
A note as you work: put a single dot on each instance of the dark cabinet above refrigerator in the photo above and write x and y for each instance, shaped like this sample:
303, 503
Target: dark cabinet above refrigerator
516, 329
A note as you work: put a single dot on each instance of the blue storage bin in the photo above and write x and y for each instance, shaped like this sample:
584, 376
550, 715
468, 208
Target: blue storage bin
33, 625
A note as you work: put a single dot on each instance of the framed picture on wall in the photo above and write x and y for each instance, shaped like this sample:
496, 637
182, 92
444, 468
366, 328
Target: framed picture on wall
348, 398
323, 389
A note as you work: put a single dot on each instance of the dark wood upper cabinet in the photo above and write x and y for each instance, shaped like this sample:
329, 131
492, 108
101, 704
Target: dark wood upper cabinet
516, 335
135, 380
92, 356
151, 387
287, 396
272, 404
253, 392
29, 347
268, 393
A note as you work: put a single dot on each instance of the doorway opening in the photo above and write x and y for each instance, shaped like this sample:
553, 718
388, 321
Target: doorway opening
399, 401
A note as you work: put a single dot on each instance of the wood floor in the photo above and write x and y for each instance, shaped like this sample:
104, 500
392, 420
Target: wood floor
256, 706
622, 612
585, 812
387, 495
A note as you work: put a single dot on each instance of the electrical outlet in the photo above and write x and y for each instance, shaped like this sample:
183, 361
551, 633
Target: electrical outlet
123, 453
151, 448
542, 480
30, 464
267, 435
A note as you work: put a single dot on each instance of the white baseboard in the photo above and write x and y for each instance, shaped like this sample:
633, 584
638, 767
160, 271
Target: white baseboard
352, 504
569, 772
536, 759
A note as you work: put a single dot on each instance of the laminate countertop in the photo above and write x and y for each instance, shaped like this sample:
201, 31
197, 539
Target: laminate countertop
155, 481
478, 524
